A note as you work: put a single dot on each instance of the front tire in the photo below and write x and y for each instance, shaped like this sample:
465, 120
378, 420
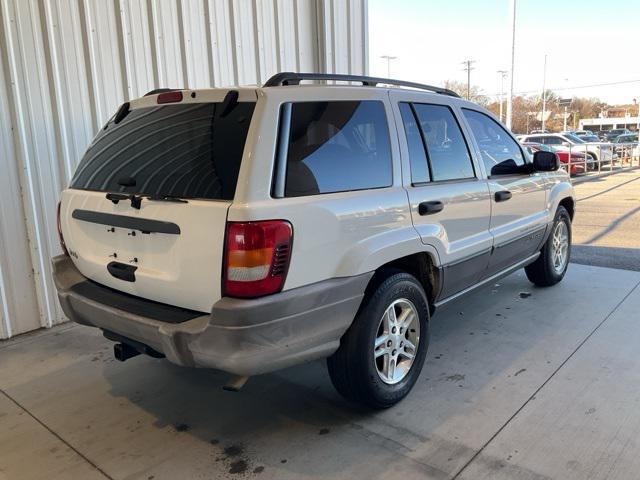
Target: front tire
382, 353
551, 265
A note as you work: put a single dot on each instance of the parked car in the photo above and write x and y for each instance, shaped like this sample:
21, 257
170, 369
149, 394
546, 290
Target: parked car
627, 144
251, 229
564, 142
626, 138
610, 135
589, 138
578, 160
580, 133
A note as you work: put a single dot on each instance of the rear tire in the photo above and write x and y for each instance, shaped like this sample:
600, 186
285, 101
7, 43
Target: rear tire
551, 265
373, 365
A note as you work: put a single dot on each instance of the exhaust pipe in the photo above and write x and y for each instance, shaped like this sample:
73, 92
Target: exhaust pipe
124, 352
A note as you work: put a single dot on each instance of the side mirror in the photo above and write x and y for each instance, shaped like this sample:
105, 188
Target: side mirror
566, 144
545, 161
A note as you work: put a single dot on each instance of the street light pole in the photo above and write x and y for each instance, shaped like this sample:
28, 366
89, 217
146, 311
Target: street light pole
389, 58
513, 53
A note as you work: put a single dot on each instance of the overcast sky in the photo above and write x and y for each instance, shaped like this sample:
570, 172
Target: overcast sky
587, 42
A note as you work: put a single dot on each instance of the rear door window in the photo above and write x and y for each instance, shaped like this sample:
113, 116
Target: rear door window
446, 148
337, 146
184, 150
417, 154
553, 141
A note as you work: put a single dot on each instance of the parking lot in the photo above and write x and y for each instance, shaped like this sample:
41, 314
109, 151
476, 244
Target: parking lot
608, 221
520, 382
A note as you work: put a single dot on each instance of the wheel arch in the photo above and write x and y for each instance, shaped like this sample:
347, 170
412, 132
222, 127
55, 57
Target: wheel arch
569, 204
422, 265
561, 194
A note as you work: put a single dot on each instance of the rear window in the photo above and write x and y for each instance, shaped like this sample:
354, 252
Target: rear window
186, 150
337, 147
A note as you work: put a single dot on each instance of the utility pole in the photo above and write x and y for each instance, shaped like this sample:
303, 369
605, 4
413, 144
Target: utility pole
389, 58
513, 55
503, 75
544, 91
467, 66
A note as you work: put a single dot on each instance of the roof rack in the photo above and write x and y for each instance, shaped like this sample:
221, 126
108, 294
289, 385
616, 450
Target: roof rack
292, 78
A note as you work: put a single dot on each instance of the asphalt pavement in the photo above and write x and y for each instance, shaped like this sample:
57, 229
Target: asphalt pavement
606, 228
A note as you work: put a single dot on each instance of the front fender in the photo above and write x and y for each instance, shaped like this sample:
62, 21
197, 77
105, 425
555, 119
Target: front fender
560, 189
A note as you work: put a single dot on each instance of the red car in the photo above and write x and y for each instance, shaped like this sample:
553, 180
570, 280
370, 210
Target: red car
578, 160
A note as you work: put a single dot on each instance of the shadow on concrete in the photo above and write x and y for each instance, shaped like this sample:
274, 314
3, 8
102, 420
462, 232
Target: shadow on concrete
610, 257
603, 179
612, 226
488, 354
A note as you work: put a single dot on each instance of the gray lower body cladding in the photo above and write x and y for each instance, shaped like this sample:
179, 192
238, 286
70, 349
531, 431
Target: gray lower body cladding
242, 337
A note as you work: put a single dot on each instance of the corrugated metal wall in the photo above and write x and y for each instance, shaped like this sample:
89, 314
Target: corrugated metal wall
66, 65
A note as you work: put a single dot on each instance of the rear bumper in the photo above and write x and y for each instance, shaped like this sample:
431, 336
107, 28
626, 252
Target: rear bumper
243, 337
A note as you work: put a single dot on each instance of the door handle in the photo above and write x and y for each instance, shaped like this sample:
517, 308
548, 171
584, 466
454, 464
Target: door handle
502, 196
429, 208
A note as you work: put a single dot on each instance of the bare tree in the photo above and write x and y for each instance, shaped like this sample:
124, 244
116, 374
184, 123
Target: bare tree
475, 92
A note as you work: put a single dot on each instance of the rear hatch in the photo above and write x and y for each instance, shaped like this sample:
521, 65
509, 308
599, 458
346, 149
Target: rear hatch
146, 210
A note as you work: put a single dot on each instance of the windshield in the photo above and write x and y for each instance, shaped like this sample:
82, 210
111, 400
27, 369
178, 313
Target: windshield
540, 146
573, 138
184, 150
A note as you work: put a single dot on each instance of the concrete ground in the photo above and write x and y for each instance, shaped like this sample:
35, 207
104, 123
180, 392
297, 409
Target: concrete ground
606, 229
520, 382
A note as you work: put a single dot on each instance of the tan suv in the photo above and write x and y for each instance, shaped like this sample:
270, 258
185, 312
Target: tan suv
251, 229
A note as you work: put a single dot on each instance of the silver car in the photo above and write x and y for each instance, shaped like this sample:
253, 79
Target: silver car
600, 152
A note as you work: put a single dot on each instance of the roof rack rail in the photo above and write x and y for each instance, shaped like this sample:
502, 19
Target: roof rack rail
293, 78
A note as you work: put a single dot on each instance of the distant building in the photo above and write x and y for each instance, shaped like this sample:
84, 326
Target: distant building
608, 123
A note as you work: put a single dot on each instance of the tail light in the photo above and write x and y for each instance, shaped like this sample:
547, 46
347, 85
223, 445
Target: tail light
256, 258
60, 237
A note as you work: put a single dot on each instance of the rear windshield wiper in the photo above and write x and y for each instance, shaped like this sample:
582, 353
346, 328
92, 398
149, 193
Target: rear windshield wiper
136, 200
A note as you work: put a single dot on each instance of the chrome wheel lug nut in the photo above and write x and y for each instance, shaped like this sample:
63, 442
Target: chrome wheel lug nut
389, 343
393, 330
394, 352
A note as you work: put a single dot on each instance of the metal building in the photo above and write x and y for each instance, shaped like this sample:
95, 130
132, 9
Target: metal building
66, 65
